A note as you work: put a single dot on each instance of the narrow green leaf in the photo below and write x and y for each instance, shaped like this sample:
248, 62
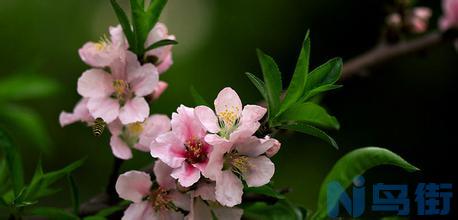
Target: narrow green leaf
265, 190
53, 213
310, 130
299, 79
124, 21
35, 183
321, 89
354, 164
258, 83
272, 80
28, 123
52, 177
198, 99
74, 193
161, 43
326, 74
14, 162
144, 20
309, 112
26, 86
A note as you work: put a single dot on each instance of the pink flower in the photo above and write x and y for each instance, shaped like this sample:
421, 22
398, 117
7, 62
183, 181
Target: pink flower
450, 16
244, 159
231, 123
162, 56
80, 113
136, 135
121, 93
184, 148
150, 201
203, 210
106, 51
418, 20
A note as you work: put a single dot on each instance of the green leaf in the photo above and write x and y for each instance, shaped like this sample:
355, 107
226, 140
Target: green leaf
325, 88
326, 74
26, 86
258, 83
28, 123
161, 43
310, 130
53, 213
354, 164
39, 187
14, 162
124, 21
265, 190
94, 218
299, 79
3, 202
198, 99
75, 194
311, 113
144, 20
281, 210
272, 80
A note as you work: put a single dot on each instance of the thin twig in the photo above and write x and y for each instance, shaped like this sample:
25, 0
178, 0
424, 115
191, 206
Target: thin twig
111, 189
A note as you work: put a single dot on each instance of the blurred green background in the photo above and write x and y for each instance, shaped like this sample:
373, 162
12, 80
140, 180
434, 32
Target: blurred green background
406, 105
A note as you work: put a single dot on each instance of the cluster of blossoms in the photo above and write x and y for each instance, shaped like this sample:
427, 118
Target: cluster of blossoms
205, 157
118, 87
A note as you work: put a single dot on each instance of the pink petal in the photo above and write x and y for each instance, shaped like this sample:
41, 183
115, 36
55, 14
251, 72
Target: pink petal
208, 118
185, 124
135, 110
165, 64
206, 191
216, 161
162, 172
168, 149
228, 101
226, 213
80, 113
159, 32
229, 189
140, 211
105, 108
143, 80
253, 146
244, 131
214, 139
133, 185
160, 88
93, 56
186, 175
115, 127
120, 148
95, 83
153, 126
260, 171
180, 200
118, 39
252, 113
199, 211
274, 149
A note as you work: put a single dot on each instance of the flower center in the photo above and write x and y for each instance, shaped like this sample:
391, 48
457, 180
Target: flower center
229, 116
196, 151
160, 200
237, 163
121, 88
103, 43
135, 129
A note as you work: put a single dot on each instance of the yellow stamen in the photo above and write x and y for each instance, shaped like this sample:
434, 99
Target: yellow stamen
229, 116
135, 129
120, 86
240, 163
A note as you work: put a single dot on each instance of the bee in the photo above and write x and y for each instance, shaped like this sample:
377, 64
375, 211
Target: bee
98, 126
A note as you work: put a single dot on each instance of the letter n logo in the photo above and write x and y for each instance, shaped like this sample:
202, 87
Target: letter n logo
336, 195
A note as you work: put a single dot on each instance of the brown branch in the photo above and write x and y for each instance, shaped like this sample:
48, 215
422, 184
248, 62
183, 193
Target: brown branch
352, 67
387, 52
